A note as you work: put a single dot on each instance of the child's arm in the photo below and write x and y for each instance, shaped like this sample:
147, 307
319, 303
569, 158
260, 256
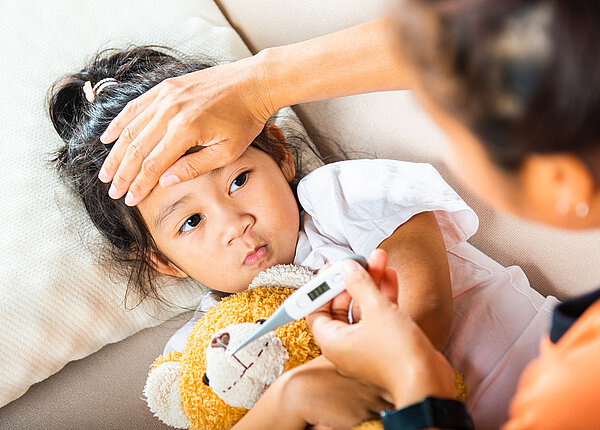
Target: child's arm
417, 252
314, 393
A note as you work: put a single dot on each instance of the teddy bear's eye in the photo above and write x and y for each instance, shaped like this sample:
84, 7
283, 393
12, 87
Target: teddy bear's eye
260, 321
205, 380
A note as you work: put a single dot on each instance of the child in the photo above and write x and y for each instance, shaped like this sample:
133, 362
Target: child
225, 226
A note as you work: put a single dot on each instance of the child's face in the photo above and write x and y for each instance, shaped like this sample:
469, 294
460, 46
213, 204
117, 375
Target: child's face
227, 225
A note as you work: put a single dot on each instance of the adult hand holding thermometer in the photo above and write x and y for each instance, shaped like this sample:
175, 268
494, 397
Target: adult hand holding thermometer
325, 286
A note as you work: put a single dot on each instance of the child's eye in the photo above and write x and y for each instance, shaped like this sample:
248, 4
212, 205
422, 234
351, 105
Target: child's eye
238, 182
191, 223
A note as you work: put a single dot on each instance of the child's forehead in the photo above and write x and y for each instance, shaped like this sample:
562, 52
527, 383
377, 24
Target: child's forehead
163, 200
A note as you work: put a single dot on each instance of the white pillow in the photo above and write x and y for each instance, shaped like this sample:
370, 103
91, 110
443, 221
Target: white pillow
57, 303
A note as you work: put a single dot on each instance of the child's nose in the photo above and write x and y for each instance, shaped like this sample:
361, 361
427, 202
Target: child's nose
236, 226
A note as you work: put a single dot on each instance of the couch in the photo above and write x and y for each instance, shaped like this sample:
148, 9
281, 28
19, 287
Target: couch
103, 390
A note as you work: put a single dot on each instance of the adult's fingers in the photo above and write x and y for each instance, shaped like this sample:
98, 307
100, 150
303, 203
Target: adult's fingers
377, 262
362, 288
340, 305
381, 404
389, 285
209, 158
133, 159
167, 152
330, 333
122, 145
131, 110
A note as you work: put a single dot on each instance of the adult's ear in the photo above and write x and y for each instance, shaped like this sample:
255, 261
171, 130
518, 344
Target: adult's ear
561, 190
286, 160
160, 264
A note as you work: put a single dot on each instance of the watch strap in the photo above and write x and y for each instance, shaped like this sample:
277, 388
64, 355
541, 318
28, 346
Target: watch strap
431, 412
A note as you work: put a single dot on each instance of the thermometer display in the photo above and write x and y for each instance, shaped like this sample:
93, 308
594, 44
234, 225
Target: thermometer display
308, 298
318, 291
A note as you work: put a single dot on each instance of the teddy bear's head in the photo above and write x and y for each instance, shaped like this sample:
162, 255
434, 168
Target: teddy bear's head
205, 386
240, 379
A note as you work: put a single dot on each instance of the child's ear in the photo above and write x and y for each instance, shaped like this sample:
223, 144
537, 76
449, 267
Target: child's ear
166, 268
287, 165
286, 160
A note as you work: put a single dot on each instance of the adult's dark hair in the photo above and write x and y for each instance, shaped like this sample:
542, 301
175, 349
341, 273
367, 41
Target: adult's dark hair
523, 75
80, 124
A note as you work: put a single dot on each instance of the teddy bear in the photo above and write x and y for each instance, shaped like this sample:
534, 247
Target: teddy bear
205, 387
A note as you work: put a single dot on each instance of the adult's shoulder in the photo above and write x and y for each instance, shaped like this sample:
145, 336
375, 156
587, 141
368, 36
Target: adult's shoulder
560, 388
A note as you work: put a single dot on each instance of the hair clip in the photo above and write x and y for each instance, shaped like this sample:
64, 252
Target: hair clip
91, 92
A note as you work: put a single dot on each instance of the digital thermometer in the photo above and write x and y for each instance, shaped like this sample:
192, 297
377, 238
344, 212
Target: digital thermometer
306, 299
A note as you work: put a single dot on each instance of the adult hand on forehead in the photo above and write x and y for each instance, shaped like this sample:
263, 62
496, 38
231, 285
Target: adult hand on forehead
221, 109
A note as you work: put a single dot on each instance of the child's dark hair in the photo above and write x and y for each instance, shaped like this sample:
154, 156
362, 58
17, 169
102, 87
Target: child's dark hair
80, 124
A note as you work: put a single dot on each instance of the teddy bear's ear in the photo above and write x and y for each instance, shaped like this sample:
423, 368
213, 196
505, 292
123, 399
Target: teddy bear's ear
162, 392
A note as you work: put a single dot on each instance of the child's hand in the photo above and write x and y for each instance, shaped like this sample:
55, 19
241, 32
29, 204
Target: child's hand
320, 396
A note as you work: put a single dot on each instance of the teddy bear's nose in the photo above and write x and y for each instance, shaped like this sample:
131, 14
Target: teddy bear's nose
220, 341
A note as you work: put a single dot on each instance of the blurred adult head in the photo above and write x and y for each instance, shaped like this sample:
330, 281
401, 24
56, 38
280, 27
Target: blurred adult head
516, 86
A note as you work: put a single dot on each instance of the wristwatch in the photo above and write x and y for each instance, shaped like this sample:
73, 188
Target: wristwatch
431, 412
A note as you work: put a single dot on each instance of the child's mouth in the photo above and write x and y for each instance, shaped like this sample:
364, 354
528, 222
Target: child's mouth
257, 256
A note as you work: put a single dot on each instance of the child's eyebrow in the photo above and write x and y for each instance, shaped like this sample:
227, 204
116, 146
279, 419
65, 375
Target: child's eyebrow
168, 210
171, 207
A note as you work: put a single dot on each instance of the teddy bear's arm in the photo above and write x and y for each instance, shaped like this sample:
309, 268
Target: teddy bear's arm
162, 390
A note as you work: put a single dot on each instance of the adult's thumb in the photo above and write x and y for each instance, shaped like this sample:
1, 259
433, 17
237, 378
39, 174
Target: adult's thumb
362, 288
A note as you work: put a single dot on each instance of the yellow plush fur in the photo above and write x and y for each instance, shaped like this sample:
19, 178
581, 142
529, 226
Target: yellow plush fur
203, 408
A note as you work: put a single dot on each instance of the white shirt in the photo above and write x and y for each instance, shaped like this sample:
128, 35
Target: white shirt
350, 207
